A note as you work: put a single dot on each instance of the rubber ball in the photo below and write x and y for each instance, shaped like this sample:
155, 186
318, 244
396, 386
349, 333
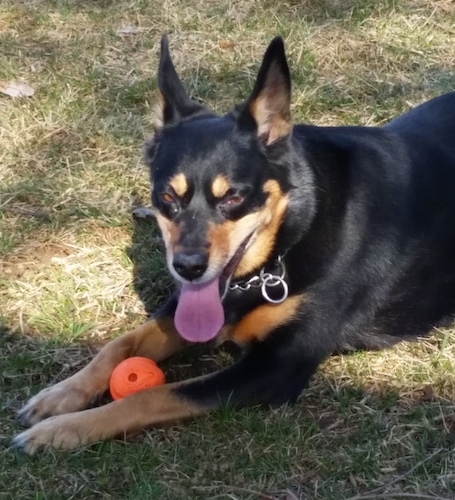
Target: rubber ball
133, 375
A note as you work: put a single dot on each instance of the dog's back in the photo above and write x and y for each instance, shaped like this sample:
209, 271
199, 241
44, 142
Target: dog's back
427, 290
432, 119
389, 216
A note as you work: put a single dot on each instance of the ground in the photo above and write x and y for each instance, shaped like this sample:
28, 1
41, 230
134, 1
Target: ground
75, 269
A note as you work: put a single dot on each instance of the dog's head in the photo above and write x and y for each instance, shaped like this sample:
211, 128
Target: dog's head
220, 186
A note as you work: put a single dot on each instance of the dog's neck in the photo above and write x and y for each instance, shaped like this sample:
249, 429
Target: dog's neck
270, 280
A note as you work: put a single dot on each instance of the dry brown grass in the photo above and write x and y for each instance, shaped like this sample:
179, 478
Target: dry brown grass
376, 424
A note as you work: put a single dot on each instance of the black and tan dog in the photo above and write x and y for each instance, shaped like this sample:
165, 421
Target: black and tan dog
294, 242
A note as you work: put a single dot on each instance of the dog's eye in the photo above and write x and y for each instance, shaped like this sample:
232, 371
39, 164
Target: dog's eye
233, 201
169, 204
167, 198
231, 204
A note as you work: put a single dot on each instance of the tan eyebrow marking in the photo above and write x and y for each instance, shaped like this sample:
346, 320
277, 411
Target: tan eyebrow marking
220, 186
179, 184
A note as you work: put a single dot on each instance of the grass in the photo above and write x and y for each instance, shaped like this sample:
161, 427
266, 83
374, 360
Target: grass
75, 270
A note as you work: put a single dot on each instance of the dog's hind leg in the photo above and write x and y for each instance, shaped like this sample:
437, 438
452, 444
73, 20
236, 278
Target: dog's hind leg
156, 339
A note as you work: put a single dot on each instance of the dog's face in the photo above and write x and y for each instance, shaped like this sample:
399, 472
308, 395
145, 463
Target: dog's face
219, 197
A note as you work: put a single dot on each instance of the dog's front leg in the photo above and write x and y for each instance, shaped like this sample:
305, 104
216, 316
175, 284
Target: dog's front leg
270, 373
156, 339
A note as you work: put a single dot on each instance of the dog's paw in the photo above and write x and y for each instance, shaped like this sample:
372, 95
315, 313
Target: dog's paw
64, 432
64, 397
143, 213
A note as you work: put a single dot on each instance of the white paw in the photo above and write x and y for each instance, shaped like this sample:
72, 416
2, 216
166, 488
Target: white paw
64, 397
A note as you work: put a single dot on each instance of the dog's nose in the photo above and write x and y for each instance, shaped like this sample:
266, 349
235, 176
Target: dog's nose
190, 265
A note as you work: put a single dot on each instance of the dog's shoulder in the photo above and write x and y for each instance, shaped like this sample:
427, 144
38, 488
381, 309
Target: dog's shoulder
344, 139
354, 156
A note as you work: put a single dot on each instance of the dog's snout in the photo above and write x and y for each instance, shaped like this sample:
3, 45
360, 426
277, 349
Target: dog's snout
190, 265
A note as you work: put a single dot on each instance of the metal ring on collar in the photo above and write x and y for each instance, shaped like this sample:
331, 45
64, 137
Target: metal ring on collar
277, 280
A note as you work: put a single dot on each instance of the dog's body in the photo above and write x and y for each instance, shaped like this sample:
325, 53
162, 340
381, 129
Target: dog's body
294, 242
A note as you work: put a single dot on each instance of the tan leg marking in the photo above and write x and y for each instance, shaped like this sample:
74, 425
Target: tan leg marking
156, 406
157, 339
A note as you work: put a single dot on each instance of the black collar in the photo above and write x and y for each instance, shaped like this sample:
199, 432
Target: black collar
271, 280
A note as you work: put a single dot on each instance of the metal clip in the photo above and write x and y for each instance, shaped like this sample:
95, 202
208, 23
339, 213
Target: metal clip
264, 281
269, 280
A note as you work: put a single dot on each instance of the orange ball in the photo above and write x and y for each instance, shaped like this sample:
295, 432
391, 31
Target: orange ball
133, 375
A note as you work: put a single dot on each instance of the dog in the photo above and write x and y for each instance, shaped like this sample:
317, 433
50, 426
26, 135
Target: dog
295, 242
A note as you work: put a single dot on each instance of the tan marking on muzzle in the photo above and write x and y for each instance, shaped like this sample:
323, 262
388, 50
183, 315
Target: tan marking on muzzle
268, 222
227, 237
170, 232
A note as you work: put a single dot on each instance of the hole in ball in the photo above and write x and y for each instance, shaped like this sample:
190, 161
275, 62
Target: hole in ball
132, 377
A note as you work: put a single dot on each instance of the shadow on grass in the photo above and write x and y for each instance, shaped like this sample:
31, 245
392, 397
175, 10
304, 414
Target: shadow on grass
335, 432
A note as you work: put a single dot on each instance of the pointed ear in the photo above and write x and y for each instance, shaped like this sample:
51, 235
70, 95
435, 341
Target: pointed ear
270, 102
173, 102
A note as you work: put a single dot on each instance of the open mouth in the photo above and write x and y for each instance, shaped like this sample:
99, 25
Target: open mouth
200, 315
228, 271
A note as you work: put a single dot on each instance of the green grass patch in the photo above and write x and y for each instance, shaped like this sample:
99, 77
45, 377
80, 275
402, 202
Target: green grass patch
75, 269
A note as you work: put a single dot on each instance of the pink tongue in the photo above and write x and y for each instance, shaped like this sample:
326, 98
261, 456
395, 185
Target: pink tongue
199, 314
